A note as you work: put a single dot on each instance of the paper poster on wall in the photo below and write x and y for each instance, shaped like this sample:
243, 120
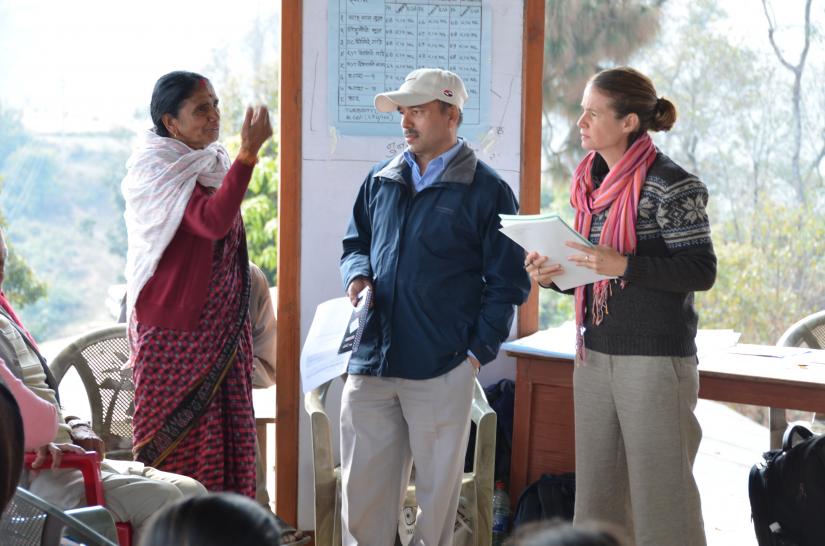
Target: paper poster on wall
374, 44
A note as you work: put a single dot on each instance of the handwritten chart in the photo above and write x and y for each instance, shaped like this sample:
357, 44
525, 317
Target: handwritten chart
374, 44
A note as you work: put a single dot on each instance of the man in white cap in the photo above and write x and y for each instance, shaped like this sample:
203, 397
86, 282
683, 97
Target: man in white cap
424, 236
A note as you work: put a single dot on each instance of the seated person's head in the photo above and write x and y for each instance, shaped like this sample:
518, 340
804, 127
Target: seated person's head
219, 519
561, 533
11, 446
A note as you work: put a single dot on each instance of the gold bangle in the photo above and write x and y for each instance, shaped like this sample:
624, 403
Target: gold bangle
247, 158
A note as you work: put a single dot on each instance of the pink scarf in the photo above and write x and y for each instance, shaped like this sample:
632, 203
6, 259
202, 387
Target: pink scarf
619, 192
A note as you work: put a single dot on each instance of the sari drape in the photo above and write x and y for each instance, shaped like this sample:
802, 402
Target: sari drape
193, 389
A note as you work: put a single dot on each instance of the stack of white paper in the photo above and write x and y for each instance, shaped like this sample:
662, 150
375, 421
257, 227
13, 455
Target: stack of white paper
546, 234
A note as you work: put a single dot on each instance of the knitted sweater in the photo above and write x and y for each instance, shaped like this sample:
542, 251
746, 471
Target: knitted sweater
653, 314
175, 295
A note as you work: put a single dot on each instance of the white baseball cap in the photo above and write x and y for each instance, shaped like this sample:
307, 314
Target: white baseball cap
422, 86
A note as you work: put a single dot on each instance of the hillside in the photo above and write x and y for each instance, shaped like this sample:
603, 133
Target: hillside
62, 206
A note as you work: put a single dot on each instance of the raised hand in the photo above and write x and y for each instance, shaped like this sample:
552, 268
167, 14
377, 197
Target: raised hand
255, 130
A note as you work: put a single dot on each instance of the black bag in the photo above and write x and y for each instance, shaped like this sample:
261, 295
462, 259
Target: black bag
787, 492
551, 496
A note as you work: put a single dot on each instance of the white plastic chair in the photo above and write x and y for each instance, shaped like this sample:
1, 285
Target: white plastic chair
808, 332
476, 486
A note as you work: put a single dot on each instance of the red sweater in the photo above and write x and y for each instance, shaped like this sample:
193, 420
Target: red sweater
175, 295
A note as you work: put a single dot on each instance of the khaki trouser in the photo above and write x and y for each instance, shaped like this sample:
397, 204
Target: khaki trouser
261, 494
386, 424
133, 492
636, 441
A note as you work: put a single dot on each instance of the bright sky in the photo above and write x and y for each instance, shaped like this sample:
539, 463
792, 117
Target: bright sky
91, 64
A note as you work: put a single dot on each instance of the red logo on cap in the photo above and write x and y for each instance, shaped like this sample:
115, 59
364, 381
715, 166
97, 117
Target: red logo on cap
447, 93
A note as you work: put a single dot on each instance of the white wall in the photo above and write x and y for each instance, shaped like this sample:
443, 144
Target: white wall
333, 167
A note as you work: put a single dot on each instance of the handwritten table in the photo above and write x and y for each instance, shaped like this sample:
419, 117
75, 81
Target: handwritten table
374, 44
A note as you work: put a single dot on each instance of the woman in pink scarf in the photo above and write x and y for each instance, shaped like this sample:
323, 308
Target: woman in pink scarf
187, 276
636, 381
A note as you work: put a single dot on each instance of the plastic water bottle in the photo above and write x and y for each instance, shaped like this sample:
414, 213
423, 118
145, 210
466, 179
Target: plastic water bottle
501, 514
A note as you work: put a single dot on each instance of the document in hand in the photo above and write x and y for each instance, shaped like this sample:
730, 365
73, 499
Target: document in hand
357, 322
546, 234
325, 355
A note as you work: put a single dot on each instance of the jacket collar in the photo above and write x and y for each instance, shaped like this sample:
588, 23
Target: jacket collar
461, 169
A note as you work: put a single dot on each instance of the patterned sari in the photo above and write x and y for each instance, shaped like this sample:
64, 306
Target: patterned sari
193, 389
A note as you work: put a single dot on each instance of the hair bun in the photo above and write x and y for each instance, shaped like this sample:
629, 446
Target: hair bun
665, 115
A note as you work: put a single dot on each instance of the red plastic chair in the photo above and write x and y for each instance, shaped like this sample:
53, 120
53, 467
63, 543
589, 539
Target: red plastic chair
89, 465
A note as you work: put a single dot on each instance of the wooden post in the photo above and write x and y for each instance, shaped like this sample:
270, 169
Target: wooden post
287, 398
532, 70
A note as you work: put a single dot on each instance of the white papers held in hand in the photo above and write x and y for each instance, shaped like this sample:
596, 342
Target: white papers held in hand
325, 354
546, 234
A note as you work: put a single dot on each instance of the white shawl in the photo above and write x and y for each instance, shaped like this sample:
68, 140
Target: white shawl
160, 178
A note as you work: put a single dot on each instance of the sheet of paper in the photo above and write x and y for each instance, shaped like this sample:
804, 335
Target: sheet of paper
320, 360
768, 350
546, 235
712, 341
815, 356
553, 342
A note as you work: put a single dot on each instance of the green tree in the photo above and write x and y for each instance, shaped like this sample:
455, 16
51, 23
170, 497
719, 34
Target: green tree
797, 177
259, 207
582, 38
765, 286
20, 283
735, 133
260, 212
709, 78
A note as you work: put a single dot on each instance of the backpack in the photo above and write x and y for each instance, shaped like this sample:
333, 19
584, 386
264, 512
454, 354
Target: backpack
551, 496
787, 492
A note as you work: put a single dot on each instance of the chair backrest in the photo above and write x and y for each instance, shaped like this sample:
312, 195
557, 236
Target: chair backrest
808, 332
100, 358
326, 474
31, 521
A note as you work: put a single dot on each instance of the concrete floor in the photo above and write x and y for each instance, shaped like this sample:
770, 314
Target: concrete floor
731, 444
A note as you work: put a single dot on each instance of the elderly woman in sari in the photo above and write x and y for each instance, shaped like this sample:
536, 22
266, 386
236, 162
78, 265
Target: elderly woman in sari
188, 286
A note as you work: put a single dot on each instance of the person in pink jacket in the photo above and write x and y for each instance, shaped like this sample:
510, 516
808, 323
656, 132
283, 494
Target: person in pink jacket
39, 416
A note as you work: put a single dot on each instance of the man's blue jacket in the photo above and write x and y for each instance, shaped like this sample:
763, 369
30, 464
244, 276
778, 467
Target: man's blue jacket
446, 280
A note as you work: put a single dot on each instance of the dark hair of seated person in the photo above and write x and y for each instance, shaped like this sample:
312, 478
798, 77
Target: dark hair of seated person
11, 446
561, 533
217, 519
